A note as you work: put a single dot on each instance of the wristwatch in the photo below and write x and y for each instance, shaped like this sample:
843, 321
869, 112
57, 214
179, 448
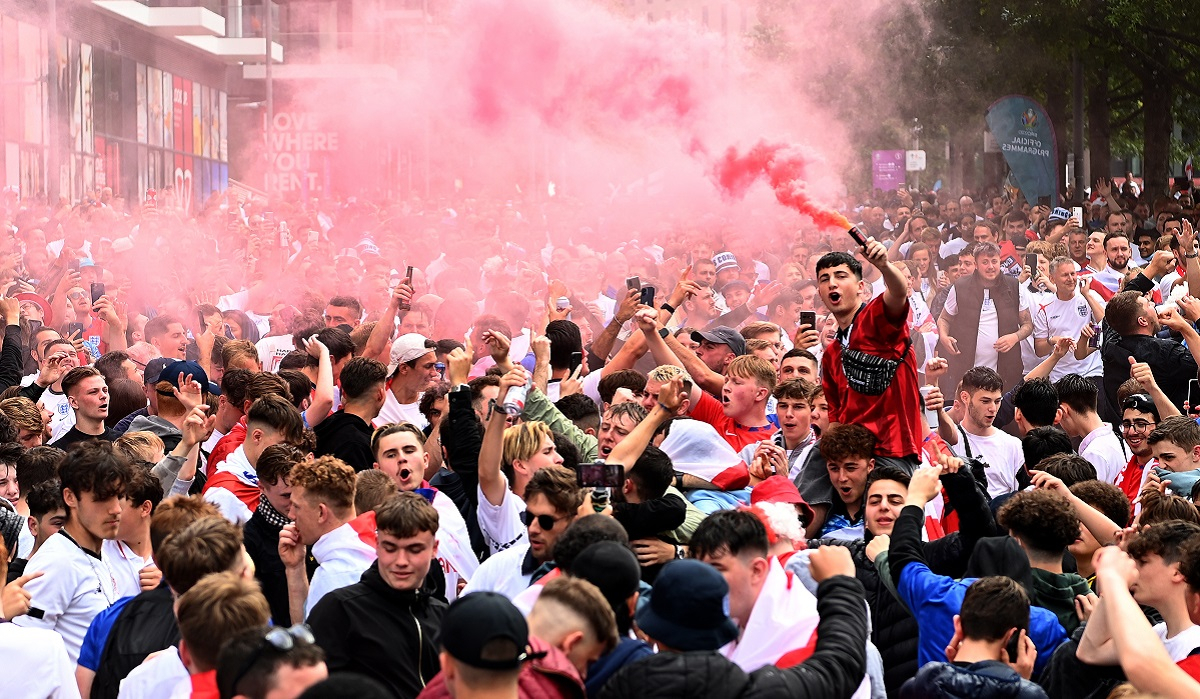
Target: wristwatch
663, 332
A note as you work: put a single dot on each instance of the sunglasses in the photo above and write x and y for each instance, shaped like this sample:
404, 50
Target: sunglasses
281, 640
545, 522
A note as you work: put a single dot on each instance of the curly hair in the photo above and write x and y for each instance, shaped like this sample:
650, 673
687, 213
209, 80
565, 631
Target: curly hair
1165, 539
1043, 520
1107, 498
327, 479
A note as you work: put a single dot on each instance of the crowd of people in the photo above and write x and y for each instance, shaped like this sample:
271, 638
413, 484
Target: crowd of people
497, 448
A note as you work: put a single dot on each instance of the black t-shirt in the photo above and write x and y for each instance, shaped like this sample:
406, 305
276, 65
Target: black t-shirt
74, 435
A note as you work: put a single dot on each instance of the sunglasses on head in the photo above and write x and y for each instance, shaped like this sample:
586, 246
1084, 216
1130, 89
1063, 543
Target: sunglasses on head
281, 640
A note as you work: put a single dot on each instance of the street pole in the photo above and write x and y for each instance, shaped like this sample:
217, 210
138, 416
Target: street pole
1077, 128
270, 126
53, 174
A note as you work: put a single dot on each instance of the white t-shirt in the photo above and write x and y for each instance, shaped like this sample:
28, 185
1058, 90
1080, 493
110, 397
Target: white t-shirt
1003, 455
985, 354
38, 662
77, 586
501, 524
1181, 644
157, 677
1104, 450
394, 411
125, 565
501, 573
62, 417
272, 350
1059, 318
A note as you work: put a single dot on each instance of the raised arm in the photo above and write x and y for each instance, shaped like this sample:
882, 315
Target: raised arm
322, 400
1141, 372
491, 481
603, 344
895, 294
670, 396
647, 323
1101, 527
381, 334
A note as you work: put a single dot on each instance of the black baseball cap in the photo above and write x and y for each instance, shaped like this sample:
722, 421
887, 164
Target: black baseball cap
478, 619
722, 335
154, 369
688, 609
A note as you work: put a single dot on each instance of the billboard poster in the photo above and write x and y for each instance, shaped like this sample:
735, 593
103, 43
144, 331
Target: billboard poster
887, 169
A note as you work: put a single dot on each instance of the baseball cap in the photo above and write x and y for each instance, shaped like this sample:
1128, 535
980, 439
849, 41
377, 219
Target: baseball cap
735, 283
722, 335
725, 260
154, 369
780, 489
611, 567
407, 348
170, 373
478, 619
688, 609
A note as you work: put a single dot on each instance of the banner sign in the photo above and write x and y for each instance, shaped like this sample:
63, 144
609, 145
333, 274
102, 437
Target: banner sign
1026, 138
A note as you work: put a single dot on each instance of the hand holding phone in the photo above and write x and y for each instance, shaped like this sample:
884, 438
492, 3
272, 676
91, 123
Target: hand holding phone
408, 277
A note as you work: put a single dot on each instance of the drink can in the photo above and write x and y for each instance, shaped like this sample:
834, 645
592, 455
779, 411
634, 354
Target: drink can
514, 400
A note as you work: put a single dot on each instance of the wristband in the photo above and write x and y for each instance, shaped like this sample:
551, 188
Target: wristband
679, 481
668, 308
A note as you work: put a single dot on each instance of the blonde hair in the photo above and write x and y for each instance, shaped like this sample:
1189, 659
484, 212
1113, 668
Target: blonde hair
666, 372
748, 366
523, 441
140, 446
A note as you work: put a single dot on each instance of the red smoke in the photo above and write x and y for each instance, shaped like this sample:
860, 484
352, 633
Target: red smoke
784, 168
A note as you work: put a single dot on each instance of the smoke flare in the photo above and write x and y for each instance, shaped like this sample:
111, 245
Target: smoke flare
784, 167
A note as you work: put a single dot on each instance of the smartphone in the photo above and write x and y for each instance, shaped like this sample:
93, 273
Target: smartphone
1094, 340
1077, 214
857, 236
633, 283
647, 298
1044, 201
1031, 263
600, 475
97, 291
808, 318
1193, 395
268, 220
73, 265
1013, 646
562, 303
75, 329
576, 361
408, 277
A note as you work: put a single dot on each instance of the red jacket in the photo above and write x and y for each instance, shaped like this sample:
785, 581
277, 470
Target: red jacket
549, 677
